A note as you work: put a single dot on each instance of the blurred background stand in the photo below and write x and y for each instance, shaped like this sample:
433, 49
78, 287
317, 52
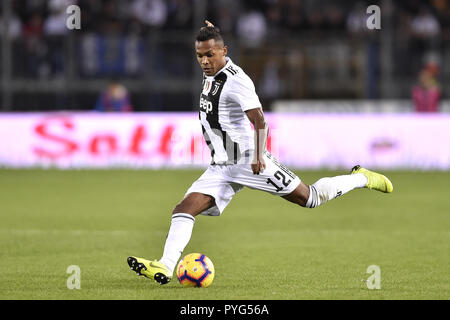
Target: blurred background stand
293, 50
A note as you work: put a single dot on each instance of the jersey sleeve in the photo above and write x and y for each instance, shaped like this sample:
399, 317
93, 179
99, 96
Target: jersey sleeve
242, 91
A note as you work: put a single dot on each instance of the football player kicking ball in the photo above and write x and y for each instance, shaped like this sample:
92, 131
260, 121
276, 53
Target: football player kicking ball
228, 104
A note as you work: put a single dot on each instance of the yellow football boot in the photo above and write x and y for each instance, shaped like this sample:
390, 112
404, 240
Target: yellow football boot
375, 181
154, 270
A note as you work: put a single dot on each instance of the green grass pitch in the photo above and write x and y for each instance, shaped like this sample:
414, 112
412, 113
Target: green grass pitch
262, 246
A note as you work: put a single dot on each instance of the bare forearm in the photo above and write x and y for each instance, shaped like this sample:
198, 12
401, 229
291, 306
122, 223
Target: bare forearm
256, 117
261, 131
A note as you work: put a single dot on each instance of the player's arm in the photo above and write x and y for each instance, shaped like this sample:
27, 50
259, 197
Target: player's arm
256, 117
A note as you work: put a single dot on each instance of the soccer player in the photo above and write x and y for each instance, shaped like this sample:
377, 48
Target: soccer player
228, 105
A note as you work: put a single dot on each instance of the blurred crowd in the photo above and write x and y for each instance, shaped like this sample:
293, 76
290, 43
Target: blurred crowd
116, 36
258, 18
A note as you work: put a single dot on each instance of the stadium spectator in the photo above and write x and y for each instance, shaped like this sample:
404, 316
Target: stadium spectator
271, 83
114, 98
335, 18
426, 94
55, 24
274, 19
224, 12
356, 19
425, 30
55, 28
316, 19
252, 28
293, 16
152, 13
425, 25
14, 27
33, 28
34, 46
180, 14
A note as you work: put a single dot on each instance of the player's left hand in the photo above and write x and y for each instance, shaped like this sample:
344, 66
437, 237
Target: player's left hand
258, 166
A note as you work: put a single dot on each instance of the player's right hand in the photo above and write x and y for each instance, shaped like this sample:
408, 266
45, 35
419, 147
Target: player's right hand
258, 166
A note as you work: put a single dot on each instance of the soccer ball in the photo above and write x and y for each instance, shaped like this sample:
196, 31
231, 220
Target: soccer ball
195, 270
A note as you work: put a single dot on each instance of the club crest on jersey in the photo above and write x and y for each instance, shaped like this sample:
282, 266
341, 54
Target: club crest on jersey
216, 88
207, 87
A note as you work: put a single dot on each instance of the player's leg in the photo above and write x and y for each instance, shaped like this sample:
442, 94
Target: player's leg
300, 195
325, 189
194, 203
180, 232
279, 180
181, 226
329, 188
209, 195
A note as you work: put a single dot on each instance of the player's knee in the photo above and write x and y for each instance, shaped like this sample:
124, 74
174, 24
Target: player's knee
303, 195
299, 195
301, 201
194, 204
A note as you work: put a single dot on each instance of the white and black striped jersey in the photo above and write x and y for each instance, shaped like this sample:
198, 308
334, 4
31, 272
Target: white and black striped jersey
224, 99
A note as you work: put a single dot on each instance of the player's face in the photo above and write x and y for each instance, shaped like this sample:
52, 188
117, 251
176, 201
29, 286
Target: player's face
210, 56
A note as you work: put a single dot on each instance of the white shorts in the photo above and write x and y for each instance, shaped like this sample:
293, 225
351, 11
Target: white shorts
223, 181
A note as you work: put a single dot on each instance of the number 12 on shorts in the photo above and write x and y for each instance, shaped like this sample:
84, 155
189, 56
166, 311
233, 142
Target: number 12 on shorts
280, 177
